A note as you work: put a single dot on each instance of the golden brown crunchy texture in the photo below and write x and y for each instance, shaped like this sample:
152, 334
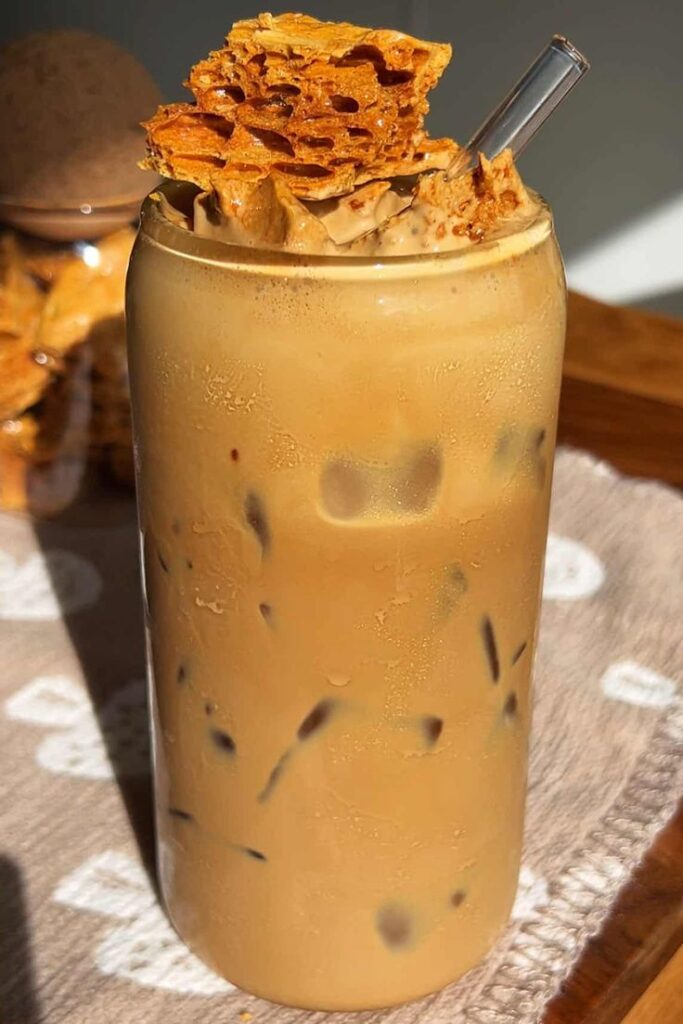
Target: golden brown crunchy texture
308, 72
44, 262
82, 295
449, 213
20, 298
327, 106
477, 201
21, 377
63, 376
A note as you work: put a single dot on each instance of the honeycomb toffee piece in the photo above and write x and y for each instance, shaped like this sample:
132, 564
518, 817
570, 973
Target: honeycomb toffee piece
327, 106
309, 137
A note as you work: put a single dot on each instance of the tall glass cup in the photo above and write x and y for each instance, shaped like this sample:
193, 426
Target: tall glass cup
344, 471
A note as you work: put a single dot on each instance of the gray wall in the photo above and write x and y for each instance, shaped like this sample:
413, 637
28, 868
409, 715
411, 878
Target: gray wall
612, 154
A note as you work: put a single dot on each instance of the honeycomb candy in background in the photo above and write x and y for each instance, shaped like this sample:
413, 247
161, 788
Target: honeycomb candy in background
64, 401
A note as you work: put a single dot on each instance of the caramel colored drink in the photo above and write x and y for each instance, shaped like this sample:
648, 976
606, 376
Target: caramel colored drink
344, 470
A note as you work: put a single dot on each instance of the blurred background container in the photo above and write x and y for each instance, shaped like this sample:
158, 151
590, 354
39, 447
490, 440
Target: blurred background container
70, 192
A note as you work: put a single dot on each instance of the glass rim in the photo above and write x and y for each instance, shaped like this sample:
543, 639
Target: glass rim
158, 229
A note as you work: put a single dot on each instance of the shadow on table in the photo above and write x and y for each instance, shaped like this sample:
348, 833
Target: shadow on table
18, 997
108, 639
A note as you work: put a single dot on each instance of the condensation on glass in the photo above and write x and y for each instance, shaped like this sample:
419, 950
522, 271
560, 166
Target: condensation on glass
344, 477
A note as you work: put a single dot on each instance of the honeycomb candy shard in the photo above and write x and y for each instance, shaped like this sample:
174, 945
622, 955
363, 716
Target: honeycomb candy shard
328, 106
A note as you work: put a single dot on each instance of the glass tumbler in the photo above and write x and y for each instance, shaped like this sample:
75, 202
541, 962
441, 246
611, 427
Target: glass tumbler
344, 471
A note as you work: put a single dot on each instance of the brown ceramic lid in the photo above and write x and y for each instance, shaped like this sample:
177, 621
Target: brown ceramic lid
70, 134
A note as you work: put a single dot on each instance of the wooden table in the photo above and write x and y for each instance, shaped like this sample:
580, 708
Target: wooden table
623, 400
622, 393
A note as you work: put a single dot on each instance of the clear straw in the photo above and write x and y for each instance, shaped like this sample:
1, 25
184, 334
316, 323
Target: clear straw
535, 96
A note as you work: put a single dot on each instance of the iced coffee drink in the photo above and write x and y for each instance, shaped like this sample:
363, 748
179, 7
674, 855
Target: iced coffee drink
345, 370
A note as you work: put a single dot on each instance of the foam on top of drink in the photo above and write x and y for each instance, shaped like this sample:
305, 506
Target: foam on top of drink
309, 137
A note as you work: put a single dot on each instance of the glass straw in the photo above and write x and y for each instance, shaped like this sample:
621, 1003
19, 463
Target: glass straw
517, 119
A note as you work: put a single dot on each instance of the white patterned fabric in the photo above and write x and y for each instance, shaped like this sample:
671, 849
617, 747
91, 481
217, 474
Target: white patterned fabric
145, 950
46, 586
115, 741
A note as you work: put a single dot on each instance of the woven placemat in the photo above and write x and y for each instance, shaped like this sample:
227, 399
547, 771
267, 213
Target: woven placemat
83, 938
